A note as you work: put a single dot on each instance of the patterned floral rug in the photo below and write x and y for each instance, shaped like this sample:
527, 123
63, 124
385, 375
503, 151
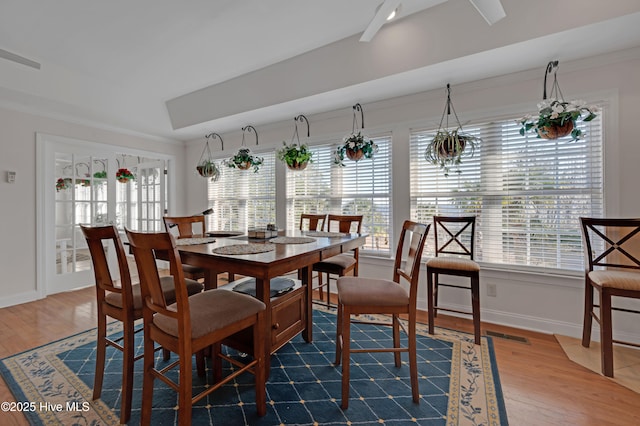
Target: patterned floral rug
459, 384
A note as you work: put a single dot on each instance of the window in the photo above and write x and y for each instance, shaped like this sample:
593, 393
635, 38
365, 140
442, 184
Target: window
527, 193
242, 199
359, 188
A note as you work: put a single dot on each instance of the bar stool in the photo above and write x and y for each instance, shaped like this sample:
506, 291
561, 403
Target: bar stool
457, 237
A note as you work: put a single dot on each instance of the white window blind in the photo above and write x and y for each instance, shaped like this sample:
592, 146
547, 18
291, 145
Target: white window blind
242, 199
527, 193
362, 187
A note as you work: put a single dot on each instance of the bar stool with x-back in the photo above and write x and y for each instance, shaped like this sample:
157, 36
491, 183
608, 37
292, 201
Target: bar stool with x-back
454, 243
612, 268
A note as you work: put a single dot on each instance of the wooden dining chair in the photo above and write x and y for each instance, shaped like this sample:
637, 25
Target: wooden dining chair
122, 302
612, 268
185, 225
454, 252
341, 264
357, 295
191, 325
312, 222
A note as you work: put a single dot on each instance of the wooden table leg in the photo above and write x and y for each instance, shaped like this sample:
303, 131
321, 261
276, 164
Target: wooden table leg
263, 288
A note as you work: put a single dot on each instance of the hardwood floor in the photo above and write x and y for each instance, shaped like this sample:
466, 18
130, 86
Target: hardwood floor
540, 385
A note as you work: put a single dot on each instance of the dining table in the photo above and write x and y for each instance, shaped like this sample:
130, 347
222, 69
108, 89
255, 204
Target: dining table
265, 259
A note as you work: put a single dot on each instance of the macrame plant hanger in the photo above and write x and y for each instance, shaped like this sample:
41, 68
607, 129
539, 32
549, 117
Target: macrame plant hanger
448, 107
206, 166
555, 93
357, 107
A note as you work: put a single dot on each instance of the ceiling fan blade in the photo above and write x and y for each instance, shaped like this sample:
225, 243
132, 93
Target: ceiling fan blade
491, 10
379, 19
19, 59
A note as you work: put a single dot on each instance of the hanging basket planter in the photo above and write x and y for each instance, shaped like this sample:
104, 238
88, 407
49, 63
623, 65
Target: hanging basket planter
296, 156
354, 154
63, 184
244, 159
124, 175
207, 168
556, 118
448, 147
555, 131
355, 146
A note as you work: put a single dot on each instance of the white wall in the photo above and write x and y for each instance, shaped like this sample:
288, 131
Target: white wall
529, 300
18, 212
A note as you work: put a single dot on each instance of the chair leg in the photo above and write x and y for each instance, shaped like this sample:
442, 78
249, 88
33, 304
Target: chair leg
606, 333
147, 381
430, 300
435, 294
338, 336
320, 289
200, 364
216, 362
396, 340
260, 369
328, 290
101, 348
413, 361
346, 356
128, 356
166, 354
185, 388
588, 314
475, 307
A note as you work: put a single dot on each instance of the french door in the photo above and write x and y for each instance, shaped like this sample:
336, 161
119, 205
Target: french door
86, 192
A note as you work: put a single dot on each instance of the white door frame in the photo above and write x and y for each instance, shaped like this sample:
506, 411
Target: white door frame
46, 146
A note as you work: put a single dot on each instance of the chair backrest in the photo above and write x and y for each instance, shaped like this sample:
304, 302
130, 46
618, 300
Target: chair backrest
344, 223
145, 245
312, 222
611, 243
454, 235
416, 235
185, 225
96, 237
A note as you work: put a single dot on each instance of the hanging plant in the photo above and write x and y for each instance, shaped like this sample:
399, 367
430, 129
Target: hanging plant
62, 184
296, 155
123, 175
244, 159
355, 145
557, 118
103, 173
447, 147
206, 167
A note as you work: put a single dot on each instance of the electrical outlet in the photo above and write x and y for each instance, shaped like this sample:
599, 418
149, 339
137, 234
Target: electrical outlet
492, 291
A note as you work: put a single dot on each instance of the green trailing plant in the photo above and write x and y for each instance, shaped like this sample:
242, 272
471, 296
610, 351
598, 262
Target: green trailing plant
208, 169
447, 148
100, 175
556, 118
296, 156
355, 146
244, 160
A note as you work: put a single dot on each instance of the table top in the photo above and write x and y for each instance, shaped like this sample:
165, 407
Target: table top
280, 251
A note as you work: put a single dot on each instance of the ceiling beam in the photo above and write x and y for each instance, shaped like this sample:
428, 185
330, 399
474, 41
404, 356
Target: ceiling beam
383, 12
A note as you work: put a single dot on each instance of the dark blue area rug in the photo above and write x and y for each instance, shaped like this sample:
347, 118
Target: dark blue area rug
459, 384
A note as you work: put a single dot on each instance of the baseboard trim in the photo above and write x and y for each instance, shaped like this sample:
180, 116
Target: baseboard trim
19, 299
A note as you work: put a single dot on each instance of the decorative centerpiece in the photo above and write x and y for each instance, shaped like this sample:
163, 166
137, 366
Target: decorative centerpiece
244, 159
557, 118
206, 167
296, 155
124, 175
355, 146
447, 147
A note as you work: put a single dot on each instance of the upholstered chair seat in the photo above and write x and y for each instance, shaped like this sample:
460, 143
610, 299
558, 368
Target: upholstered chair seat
115, 299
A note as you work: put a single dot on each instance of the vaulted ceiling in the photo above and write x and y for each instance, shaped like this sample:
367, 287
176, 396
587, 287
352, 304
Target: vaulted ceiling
179, 69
